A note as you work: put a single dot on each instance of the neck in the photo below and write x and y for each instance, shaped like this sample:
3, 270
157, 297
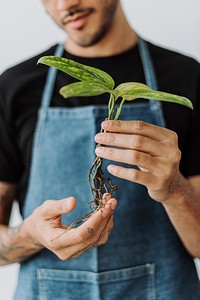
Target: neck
118, 39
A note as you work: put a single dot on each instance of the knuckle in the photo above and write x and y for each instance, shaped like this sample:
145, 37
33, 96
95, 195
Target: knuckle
103, 240
79, 237
110, 152
91, 239
175, 156
138, 142
111, 227
46, 204
60, 256
174, 136
63, 256
76, 255
83, 238
119, 123
53, 245
134, 175
37, 210
178, 155
109, 137
140, 125
103, 137
94, 239
134, 156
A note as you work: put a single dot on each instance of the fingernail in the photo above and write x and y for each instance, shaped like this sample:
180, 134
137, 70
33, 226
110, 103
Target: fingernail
106, 124
69, 201
113, 205
106, 196
111, 168
98, 137
99, 150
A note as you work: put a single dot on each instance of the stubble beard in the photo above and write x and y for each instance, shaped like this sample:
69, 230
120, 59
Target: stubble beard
90, 39
87, 40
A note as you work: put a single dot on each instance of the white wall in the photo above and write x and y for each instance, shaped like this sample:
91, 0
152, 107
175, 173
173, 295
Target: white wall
26, 29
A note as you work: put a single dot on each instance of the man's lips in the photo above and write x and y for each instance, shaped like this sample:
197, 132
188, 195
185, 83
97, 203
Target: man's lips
76, 14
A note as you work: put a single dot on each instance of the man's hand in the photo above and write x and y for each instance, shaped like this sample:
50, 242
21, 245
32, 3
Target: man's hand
44, 228
154, 150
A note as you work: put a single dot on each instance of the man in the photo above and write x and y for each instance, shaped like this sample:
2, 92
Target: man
150, 252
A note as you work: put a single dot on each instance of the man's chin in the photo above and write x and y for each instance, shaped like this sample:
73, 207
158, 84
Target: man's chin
87, 40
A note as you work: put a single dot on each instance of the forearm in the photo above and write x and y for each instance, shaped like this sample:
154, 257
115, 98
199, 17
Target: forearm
15, 245
183, 209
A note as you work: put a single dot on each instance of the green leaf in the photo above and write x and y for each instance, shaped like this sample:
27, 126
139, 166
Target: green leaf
82, 89
79, 71
134, 90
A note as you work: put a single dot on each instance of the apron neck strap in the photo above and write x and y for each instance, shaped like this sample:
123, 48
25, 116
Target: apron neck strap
150, 78
51, 78
147, 64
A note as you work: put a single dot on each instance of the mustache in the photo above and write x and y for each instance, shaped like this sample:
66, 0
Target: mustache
76, 10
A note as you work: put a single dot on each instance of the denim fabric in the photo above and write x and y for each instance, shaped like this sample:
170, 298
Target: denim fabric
143, 259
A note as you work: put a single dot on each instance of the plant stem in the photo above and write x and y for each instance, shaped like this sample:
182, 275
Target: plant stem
111, 106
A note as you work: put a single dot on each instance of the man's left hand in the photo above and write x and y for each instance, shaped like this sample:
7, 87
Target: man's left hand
153, 149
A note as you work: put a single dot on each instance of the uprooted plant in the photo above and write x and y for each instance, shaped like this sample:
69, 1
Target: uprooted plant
94, 82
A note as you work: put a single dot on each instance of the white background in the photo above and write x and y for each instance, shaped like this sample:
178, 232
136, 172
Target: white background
26, 29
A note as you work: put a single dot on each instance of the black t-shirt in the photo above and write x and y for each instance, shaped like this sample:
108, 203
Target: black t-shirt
21, 90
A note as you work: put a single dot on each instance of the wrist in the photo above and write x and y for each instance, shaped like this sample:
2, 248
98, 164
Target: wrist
179, 194
18, 238
27, 230
15, 245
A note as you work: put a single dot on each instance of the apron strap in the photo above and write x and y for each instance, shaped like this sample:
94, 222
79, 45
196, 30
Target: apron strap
148, 68
51, 78
150, 78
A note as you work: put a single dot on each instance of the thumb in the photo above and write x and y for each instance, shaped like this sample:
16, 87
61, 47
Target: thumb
53, 208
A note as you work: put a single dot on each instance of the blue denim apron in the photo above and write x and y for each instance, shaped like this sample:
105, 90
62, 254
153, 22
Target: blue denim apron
144, 258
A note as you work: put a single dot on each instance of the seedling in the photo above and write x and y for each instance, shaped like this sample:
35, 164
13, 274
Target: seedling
94, 82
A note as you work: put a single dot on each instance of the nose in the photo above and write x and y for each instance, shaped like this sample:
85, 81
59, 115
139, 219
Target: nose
66, 4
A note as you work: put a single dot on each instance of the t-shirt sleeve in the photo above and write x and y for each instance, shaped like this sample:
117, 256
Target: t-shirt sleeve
191, 155
10, 160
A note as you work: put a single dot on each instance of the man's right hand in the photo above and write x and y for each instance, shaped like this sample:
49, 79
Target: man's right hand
44, 229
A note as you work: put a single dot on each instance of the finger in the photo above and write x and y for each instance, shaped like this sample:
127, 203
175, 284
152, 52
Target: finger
98, 220
130, 157
138, 127
106, 204
109, 227
102, 241
66, 252
89, 230
133, 175
103, 238
133, 141
92, 230
65, 238
53, 208
106, 197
